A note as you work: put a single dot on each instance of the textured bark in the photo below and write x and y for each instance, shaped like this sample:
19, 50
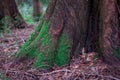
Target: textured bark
20, 1
74, 20
15, 14
9, 8
70, 25
1, 13
66, 32
109, 37
37, 9
92, 39
118, 9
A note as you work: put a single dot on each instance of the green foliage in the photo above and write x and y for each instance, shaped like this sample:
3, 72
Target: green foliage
6, 24
2, 77
45, 57
26, 11
35, 44
63, 52
25, 48
44, 2
37, 41
28, 2
40, 46
17, 20
118, 53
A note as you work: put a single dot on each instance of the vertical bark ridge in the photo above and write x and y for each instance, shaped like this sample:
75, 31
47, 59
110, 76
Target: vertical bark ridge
37, 9
109, 39
11, 12
15, 15
64, 32
92, 39
1, 14
54, 41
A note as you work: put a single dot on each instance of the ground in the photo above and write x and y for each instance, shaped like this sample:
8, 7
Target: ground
80, 68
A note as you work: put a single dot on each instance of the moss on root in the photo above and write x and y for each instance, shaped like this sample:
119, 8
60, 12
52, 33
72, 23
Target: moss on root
62, 56
118, 53
6, 23
45, 57
30, 44
39, 46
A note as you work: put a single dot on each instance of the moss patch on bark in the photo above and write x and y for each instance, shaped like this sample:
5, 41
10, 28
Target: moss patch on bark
118, 53
62, 56
40, 46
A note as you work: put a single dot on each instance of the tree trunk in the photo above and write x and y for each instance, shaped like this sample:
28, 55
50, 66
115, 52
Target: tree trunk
15, 14
109, 36
118, 8
1, 14
20, 1
9, 8
37, 9
70, 25
62, 33
92, 39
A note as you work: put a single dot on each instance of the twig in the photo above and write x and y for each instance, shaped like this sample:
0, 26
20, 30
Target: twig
53, 72
17, 42
102, 76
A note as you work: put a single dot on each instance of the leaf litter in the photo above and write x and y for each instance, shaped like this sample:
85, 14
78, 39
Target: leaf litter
79, 68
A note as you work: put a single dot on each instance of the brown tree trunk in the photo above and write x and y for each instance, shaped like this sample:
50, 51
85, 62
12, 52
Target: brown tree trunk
109, 32
1, 14
64, 28
92, 39
37, 9
15, 14
20, 1
118, 8
70, 25
9, 8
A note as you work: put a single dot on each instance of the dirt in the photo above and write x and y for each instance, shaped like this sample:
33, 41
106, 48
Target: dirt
11, 42
82, 67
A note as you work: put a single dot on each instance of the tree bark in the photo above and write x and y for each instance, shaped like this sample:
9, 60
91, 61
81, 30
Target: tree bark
109, 36
37, 9
118, 9
92, 39
15, 14
20, 1
61, 35
1, 14
70, 25
9, 9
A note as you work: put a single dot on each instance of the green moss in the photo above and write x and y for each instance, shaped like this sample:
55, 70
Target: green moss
6, 24
26, 48
47, 56
38, 40
63, 52
40, 46
118, 53
26, 11
44, 50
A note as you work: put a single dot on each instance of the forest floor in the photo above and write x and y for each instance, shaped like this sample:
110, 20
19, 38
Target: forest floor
80, 68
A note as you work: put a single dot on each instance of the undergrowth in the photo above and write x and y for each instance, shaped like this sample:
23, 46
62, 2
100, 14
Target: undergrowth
63, 52
2, 77
44, 58
26, 12
39, 46
6, 25
118, 53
